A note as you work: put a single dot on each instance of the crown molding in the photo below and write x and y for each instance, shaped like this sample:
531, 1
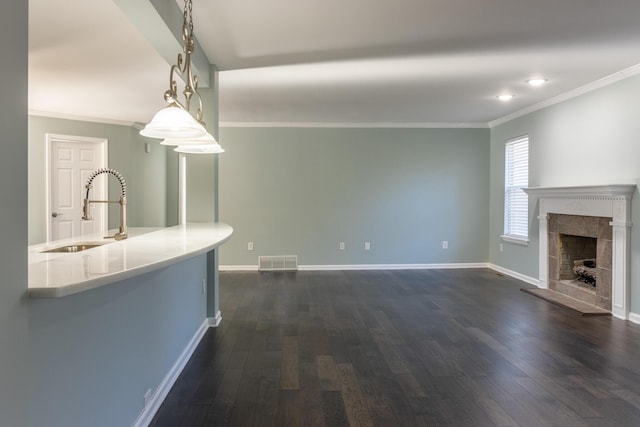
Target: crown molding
77, 117
442, 125
605, 81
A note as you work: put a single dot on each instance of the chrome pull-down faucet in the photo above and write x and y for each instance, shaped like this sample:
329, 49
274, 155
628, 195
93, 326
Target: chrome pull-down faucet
122, 232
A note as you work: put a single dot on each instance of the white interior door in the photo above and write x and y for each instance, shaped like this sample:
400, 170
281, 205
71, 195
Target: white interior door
71, 161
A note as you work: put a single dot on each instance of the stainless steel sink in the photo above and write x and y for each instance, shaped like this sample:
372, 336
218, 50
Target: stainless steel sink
78, 247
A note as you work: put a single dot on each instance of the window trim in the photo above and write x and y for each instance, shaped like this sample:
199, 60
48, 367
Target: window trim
509, 188
516, 240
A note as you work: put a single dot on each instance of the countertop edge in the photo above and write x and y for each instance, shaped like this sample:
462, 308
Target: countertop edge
94, 283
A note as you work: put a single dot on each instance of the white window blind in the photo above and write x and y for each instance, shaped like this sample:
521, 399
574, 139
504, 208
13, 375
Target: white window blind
516, 202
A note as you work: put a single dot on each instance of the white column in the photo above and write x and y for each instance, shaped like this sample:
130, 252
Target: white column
620, 269
182, 189
621, 258
543, 252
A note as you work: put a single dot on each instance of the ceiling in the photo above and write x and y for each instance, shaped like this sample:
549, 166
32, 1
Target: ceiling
335, 61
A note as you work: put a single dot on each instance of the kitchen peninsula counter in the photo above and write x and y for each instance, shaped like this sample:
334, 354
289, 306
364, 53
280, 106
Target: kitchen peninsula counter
53, 274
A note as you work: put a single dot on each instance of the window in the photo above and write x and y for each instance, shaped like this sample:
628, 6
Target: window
516, 202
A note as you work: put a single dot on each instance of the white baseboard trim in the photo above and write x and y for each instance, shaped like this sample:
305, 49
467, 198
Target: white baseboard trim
515, 275
340, 267
634, 317
214, 322
238, 268
147, 414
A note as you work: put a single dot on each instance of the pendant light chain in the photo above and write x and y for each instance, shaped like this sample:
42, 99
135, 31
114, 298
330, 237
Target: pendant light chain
191, 81
188, 6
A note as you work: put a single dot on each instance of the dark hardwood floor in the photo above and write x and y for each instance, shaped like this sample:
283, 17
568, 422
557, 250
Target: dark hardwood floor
404, 348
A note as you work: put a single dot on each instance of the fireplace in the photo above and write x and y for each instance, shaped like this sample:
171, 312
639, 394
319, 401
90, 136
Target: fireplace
579, 257
602, 214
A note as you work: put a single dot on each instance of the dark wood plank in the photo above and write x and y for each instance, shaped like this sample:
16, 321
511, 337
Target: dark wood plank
220, 411
496, 413
333, 409
266, 407
354, 402
171, 412
194, 416
289, 408
290, 364
327, 373
312, 409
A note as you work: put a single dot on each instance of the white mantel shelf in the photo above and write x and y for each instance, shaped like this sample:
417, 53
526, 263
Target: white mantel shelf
608, 201
53, 275
588, 192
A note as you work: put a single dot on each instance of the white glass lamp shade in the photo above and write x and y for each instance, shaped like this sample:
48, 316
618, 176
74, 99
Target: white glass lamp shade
200, 149
173, 122
208, 139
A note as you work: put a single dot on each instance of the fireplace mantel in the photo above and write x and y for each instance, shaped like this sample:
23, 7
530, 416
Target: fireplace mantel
610, 201
588, 192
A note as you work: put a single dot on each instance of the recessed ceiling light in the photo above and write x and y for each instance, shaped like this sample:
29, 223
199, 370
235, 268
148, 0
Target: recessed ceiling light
537, 82
506, 97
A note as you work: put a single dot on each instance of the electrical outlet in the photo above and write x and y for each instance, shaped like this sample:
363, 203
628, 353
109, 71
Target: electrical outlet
445, 244
147, 398
342, 246
204, 286
501, 248
367, 246
250, 246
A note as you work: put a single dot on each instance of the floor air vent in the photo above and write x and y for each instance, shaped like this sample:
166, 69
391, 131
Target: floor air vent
278, 263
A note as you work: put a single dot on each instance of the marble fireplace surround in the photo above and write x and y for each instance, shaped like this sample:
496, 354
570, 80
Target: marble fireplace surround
613, 201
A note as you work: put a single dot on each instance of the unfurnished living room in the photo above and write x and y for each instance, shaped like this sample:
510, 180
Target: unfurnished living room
320, 213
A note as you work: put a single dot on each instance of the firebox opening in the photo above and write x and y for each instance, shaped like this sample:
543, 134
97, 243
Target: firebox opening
578, 260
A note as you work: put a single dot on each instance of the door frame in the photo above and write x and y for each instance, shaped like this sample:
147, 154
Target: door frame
50, 138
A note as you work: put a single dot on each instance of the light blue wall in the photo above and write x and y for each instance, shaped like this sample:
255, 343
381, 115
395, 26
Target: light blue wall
302, 191
592, 139
145, 173
13, 213
93, 355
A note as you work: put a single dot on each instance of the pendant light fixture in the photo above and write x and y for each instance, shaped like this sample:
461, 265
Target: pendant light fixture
203, 145
176, 120
200, 149
202, 140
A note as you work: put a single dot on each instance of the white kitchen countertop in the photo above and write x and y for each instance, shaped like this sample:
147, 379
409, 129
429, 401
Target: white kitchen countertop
54, 275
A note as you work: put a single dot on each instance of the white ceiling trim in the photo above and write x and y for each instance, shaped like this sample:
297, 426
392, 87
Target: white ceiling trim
605, 81
80, 118
352, 125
